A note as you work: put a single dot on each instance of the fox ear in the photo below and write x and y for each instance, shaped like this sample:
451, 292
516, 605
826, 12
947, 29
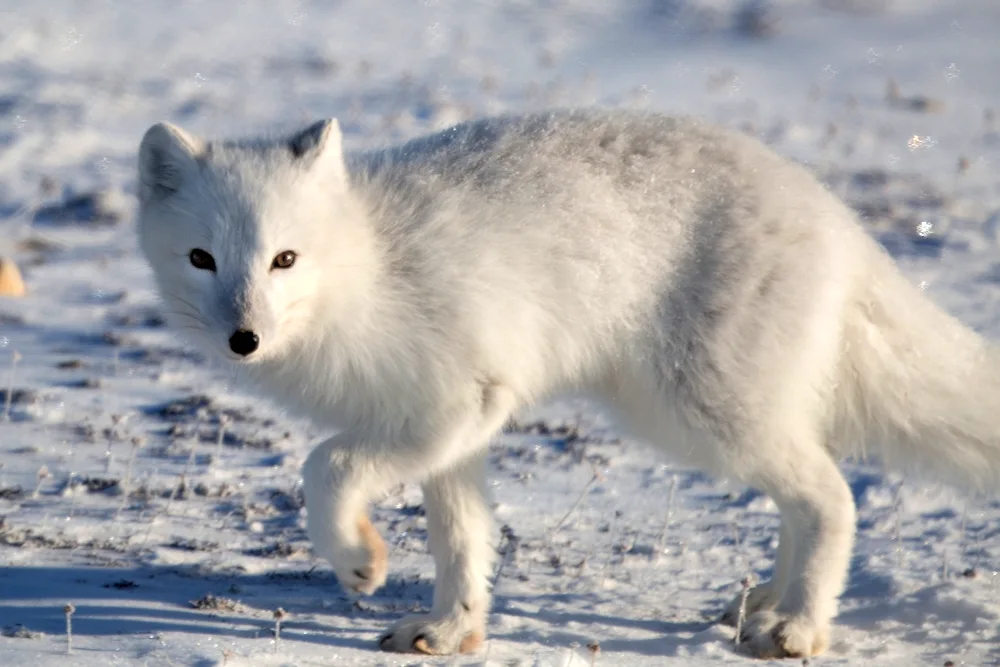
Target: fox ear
165, 154
321, 142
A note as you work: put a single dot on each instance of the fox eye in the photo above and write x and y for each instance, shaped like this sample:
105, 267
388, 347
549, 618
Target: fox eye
201, 260
284, 260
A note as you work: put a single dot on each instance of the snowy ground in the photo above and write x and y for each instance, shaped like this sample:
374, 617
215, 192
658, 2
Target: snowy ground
116, 494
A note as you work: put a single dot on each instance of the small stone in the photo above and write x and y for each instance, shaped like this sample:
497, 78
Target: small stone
11, 282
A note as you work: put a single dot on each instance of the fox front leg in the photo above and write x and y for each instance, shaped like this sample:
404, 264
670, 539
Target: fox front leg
342, 475
337, 492
459, 530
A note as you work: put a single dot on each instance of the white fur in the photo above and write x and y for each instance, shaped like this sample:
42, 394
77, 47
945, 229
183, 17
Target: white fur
713, 295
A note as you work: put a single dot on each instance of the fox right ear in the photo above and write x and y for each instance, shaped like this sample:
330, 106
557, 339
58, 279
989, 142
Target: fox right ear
165, 154
319, 144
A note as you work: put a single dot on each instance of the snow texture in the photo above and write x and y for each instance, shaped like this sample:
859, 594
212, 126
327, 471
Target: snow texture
140, 485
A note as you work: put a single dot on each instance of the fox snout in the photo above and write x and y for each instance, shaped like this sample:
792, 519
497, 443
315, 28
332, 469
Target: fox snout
244, 342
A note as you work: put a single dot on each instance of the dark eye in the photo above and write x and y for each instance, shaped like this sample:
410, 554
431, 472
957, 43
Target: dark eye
201, 260
284, 260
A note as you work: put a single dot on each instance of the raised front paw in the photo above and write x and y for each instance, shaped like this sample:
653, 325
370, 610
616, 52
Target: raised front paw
769, 634
426, 633
760, 598
360, 569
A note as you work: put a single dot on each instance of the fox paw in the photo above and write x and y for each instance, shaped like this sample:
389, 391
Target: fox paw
362, 569
769, 634
760, 598
424, 633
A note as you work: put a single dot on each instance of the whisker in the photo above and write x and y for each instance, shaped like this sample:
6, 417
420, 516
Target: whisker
188, 316
184, 301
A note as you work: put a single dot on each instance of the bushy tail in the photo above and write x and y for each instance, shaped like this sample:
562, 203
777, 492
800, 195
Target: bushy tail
918, 385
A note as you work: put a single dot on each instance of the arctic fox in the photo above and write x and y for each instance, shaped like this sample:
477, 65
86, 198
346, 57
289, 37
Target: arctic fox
715, 296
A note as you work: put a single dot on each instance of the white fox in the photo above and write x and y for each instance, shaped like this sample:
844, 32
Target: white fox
713, 295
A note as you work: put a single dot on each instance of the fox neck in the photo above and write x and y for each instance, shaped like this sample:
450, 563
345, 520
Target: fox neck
347, 302
337, 344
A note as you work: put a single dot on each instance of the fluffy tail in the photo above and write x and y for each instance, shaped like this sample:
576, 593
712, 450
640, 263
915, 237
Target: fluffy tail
919, 385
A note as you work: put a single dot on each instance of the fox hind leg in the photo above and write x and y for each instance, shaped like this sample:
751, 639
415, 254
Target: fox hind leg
818, 510
768, 594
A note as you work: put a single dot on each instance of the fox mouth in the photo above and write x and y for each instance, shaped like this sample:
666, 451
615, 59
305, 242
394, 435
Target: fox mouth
238, 360
242, 359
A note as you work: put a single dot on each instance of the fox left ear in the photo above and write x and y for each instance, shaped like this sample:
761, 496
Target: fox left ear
319, 143
166, 154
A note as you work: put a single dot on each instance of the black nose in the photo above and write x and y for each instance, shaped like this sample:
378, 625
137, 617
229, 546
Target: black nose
243, 342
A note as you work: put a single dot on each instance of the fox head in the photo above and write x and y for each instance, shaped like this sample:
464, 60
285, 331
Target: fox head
251, 243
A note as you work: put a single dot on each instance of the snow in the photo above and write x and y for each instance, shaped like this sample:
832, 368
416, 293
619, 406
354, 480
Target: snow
93, 509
